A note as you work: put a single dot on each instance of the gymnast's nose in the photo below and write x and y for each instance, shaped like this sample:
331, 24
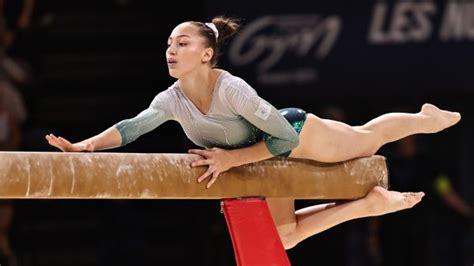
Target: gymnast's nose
171, 50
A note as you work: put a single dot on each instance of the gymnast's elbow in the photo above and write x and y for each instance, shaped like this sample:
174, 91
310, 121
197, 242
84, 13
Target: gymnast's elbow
291, 144
293, 141
281, 146
126, 134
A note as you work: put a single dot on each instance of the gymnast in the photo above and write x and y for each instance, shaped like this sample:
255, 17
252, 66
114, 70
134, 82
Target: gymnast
223, 114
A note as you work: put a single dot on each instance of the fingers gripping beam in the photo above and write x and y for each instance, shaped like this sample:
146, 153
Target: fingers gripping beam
55, 175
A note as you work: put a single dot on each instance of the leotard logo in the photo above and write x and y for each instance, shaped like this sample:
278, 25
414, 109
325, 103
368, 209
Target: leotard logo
263, 110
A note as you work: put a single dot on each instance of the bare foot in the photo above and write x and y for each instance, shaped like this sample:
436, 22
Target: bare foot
381, 201
439, 119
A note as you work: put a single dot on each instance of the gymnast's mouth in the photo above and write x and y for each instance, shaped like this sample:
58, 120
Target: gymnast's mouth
171, 63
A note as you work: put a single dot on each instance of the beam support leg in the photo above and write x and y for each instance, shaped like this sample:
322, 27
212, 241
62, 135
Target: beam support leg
253, 233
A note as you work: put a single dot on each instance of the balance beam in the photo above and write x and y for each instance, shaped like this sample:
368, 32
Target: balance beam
57, 175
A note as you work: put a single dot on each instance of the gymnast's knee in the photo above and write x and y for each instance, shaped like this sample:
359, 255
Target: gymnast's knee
369, 140
287, 233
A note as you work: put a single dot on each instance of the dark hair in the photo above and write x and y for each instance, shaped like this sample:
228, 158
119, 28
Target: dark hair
226, 27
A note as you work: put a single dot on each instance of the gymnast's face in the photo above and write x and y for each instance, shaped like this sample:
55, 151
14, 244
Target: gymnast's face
187, 50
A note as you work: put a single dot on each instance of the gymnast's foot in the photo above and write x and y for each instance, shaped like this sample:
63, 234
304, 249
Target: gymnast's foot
381, 201
439, 119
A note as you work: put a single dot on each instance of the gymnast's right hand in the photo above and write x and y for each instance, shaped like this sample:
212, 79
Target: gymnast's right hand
66, 146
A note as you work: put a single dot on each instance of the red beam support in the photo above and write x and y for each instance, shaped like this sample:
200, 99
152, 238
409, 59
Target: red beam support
253, 232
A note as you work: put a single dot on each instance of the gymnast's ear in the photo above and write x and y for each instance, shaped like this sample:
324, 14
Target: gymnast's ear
207, 55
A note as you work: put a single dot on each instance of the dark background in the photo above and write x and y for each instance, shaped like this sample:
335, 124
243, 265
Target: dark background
95, 63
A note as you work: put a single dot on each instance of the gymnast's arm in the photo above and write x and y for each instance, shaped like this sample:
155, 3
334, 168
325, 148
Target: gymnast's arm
254, 153
121, 133
108, 139
245, 102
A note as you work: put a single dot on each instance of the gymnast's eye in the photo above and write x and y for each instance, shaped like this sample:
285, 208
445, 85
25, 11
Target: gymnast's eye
182, 44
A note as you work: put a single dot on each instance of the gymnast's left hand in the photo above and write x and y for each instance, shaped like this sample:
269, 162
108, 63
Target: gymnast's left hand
219, 160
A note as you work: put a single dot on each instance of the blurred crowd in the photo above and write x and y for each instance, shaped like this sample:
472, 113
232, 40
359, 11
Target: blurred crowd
15, 77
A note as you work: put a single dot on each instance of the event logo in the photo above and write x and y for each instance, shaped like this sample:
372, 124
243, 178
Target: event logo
414, 21
285, 49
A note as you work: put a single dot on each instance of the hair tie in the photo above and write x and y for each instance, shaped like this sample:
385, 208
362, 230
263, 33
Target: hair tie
213, 27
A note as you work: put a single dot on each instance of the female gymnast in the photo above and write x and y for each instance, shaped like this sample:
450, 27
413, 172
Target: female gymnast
224, 114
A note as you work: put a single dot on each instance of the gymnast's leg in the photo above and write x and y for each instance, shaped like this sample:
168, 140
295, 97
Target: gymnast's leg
293, 227
332, 141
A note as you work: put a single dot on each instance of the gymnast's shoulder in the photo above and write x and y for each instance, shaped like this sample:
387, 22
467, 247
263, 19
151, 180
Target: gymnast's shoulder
229, 83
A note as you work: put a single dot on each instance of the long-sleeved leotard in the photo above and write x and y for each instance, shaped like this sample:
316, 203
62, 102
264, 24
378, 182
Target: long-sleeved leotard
237, 118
